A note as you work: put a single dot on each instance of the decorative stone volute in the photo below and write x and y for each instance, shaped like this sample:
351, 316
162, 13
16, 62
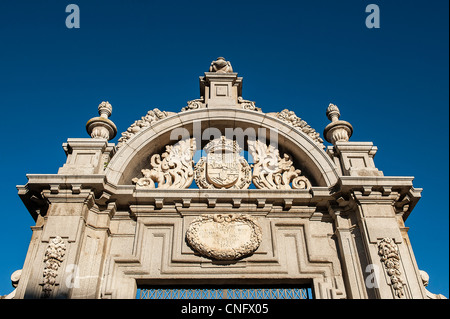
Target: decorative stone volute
337, 130
102, 127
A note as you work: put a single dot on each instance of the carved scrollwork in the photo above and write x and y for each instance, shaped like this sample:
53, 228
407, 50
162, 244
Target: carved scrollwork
145, 121
224, 236
270, 171
248, 105
173, 169
54, 256
388, 252
291, 118
194, 104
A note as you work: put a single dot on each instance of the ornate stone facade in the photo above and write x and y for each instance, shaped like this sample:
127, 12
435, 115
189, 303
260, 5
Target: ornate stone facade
216, 202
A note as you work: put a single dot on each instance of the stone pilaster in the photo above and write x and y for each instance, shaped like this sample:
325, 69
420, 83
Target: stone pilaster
351, 252
393, 266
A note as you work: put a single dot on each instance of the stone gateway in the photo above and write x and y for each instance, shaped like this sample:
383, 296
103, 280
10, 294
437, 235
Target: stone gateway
219, 194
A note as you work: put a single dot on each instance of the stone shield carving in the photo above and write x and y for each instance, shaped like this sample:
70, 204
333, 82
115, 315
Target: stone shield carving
222, 167
224, 236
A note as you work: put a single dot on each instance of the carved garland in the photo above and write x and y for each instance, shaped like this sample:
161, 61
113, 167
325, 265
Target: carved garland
388, 251
54, 256
224, 221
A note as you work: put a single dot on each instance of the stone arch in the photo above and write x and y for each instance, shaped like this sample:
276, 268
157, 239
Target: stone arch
134, 155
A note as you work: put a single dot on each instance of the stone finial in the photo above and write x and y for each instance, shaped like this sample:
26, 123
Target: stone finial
221, 66
102, 127
337, 130
333, 113
104, 109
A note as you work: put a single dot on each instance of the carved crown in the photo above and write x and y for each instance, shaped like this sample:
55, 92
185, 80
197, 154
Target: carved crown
222, 144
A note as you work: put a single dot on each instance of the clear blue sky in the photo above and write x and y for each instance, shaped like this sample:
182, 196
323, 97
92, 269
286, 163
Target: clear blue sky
390, 83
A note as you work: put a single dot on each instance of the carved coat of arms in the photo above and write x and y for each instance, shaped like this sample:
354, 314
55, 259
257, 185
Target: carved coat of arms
224, 236
223, 166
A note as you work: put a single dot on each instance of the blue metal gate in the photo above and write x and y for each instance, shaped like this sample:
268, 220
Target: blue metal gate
234, 293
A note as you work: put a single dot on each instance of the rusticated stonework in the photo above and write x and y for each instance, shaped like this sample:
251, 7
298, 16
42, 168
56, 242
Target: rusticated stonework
224, 236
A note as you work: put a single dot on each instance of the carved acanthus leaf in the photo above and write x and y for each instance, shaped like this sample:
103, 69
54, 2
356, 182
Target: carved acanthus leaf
173, 169
291, 118
270, 171
145, 121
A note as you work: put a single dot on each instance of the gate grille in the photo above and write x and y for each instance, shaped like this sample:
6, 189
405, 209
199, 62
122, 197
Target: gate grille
250, 293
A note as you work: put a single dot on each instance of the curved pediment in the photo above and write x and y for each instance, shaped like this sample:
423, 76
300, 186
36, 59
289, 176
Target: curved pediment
292, 142
164, 149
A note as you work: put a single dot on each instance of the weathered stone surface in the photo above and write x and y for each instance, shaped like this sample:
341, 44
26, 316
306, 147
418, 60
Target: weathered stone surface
224, 236
222, 167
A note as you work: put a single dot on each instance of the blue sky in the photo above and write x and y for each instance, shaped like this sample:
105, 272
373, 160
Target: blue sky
390, 83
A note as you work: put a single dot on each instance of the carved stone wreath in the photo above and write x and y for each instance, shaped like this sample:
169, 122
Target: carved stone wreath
224, 236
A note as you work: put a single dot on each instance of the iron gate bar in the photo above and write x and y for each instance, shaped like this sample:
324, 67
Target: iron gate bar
226, 293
